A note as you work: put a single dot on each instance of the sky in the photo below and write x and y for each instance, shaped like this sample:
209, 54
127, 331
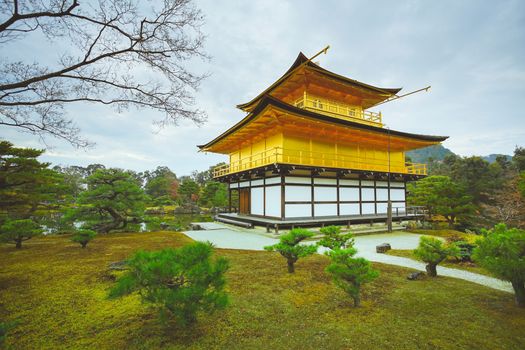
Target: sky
472, 53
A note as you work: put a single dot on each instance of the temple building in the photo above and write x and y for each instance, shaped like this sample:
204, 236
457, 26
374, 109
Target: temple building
309, 148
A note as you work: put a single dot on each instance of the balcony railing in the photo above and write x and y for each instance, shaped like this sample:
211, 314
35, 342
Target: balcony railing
311, 158
339, 110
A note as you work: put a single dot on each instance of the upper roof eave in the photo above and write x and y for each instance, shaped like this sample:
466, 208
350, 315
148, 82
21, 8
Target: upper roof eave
268, 100
301, 58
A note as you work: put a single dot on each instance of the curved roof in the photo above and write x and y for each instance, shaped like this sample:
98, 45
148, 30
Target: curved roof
268, 100
303, 60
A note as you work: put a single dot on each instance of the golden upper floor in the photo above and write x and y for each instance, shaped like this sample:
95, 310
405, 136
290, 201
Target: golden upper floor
309, 86
313, 117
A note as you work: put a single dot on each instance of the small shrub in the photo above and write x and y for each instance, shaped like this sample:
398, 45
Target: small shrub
502, 252
17, 231
334, 239
83, 237
179, 282
350, 273
290, 248
432, 251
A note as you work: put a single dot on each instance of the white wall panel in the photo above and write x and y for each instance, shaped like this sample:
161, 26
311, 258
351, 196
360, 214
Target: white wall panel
325, 194
347, 182
348, 194
397, 194
273, 180
381, 183
325, 210
382, 208
234, 185
349, 209
257, 201
298, 193
273, 201
298, 210
368, 208
367, 194
297, 180
397, 184
322, 181
244, 184
257, 182
382, 194
367, 183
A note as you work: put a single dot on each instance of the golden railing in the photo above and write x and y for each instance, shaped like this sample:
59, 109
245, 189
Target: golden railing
312, 158
339, 110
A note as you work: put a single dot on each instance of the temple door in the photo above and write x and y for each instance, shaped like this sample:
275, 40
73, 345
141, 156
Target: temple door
244, 201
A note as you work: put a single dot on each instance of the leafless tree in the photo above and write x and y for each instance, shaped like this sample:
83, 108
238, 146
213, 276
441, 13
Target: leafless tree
122, 53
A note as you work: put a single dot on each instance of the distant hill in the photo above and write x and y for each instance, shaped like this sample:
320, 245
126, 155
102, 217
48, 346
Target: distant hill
491, 158
436, 152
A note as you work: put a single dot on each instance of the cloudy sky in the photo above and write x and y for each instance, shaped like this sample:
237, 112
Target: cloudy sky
471, 52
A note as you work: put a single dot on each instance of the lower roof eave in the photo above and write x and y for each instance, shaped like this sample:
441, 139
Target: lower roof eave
279, 169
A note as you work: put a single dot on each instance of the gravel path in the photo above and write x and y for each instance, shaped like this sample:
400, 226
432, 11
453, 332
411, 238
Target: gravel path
223, 236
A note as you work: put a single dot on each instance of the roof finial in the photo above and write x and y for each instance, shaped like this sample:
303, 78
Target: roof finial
325, 50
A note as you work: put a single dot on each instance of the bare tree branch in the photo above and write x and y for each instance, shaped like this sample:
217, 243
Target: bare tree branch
119, 55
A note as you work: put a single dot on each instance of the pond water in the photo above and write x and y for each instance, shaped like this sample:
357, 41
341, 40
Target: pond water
54, 224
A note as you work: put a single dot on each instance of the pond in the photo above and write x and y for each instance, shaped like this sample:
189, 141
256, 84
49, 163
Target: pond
53, 223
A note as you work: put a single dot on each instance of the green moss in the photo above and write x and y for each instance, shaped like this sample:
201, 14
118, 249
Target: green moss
448, 233
57, 292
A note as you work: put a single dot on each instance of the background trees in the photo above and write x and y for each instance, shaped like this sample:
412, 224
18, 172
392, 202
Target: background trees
161, 185
441, 196
110, 42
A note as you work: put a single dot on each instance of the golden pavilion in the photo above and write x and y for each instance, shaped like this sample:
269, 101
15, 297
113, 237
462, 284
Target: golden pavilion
310, 150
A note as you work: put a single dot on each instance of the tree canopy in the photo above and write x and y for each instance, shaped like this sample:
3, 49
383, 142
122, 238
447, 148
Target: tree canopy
502, 252
441, 196
112, 200
26, 184
179, 282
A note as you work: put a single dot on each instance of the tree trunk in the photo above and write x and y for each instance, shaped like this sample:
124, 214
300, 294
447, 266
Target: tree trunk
291, 268
357, 299
18, 243
519, 292
431, 270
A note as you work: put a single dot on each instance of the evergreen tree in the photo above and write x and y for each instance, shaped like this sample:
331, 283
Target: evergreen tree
441, 196
83, 237
518, 160
433, 251
502, 252
26, 185
350, 273
333, 238
290, 248
17, 231
179, 282
112, 200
